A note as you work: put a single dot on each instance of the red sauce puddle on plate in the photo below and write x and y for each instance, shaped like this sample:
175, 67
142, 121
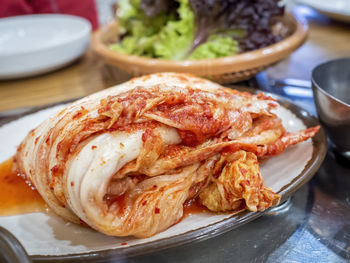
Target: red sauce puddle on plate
192, 207
17, 195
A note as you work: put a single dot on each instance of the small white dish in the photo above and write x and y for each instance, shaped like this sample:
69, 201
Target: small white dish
336, 9
36, 44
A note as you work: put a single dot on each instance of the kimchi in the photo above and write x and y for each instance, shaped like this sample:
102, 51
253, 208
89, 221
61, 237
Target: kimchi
126, 159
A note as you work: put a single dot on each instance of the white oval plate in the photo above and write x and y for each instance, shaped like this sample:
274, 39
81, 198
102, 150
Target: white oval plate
336, 9
47, 237
36, 44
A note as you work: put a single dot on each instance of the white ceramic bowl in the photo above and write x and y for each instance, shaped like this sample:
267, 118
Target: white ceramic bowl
35, 44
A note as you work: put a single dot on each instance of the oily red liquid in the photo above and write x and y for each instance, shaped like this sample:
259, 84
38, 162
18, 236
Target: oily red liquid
17, 195
193, 207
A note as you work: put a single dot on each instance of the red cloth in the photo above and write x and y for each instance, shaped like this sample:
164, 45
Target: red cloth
83, 8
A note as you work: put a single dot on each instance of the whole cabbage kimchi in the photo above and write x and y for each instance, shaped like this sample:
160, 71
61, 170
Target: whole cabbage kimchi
125, 160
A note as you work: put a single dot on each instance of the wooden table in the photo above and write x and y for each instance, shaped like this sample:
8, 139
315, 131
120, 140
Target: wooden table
327, 40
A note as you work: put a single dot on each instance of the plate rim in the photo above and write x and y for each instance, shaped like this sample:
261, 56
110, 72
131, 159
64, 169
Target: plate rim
319, 143
322, 8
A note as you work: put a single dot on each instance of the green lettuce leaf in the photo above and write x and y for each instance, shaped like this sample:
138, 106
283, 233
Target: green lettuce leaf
139, 31
215, 47
165, 36
167, 29
176, 37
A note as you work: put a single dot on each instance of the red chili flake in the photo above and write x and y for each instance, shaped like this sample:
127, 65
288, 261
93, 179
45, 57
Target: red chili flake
58, 147
93, 147
37, 139
72, 183
157, 210
80, 113
124, 243
144, 137
47, 141
56, 170
77, 115
147, 134
247, 182
229, 150
144, 203
154, 187
243, 171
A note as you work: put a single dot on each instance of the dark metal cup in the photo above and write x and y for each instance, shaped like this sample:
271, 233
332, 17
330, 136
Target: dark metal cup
331, 88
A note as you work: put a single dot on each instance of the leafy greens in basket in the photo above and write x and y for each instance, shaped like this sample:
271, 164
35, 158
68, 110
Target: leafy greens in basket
196, 29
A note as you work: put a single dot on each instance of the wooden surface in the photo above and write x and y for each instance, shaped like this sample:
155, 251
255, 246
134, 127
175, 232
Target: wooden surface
327, 40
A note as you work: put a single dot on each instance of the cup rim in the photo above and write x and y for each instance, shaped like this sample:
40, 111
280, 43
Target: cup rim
315, 83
